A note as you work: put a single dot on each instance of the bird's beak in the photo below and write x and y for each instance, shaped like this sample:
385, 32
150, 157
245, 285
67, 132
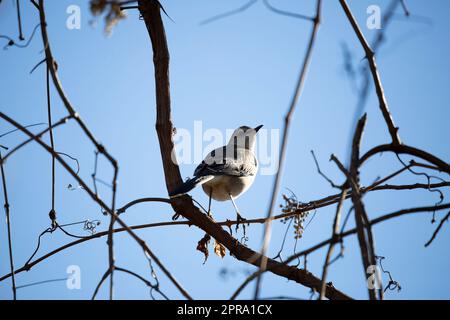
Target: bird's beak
258, 127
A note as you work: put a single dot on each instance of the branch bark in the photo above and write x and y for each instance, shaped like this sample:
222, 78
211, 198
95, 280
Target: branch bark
322, 244
287, 122
334, 236
370, 55
364, 230
52, 69
150, 11
95, 198
8, 225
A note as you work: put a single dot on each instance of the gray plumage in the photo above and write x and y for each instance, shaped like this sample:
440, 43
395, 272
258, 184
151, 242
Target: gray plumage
226, 172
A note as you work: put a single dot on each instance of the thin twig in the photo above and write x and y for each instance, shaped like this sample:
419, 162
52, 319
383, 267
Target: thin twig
141, 200
278, 255
306, 252
322, 174
103, 278
18, 130
37, 65
94, 197
8, 225
35, 4
19, 21
40, 282
379, 39
52, 146
39, 135
293, 104
52, 65
229, 13
435, 233
405, 149
364, 230
145, 281
334, 235
11, 41
405, 8
393, 130
287, 13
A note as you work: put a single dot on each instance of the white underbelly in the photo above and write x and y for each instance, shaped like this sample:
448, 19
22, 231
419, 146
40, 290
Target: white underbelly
223, 186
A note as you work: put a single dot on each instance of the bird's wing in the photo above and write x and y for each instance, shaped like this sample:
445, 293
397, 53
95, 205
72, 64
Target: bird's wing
238, 162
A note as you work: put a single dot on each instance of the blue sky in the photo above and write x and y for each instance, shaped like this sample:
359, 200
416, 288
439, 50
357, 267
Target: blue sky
240, 70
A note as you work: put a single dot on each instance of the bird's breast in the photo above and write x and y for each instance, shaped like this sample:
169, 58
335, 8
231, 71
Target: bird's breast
220, 187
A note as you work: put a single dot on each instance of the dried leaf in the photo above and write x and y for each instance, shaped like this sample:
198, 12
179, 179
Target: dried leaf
98, 6
219, 249
111, 9
202, 246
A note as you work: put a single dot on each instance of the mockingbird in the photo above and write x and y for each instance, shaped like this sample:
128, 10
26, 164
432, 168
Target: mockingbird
228, 171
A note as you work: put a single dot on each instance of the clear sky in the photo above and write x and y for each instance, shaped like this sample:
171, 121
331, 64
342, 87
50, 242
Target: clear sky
235, 71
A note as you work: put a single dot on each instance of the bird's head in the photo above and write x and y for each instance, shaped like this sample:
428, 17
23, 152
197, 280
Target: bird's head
244, 137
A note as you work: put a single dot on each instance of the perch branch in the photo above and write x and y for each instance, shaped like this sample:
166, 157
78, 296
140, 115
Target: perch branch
183, 205
284, 140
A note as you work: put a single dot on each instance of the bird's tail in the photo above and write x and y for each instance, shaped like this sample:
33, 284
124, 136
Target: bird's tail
189, 185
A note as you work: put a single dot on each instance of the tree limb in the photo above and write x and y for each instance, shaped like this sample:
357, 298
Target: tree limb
183, 205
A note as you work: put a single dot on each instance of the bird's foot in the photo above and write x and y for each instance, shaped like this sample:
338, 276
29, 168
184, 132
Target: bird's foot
240, 220
209, 214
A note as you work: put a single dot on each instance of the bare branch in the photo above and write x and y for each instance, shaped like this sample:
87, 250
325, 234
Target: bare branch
334, 235
404, 149
405, 8
364, 230
52, 146
287, 119
322, 174
286, 13
393, 130
141, 200
99, 201
19, 20
183, 205
103, 278
322, 244
445, 219
51, 67
229, 13
39, 135
8, 225
145, 281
